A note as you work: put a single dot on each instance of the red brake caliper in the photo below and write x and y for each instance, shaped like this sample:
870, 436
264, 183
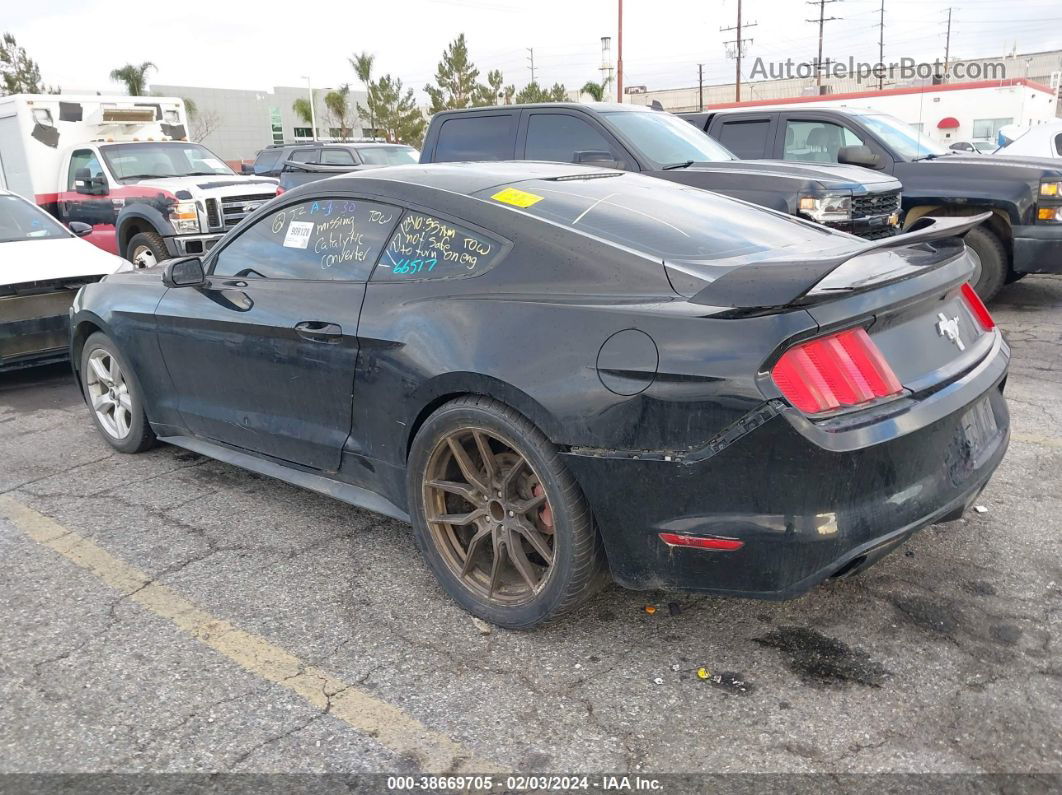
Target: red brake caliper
545, 513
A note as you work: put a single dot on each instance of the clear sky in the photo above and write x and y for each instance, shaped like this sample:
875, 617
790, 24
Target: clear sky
265, 43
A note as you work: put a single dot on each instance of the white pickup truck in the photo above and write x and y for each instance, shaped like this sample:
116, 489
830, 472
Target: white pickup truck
123, 165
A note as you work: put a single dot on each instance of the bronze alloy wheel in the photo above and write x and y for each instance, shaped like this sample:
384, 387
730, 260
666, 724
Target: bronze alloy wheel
489, 516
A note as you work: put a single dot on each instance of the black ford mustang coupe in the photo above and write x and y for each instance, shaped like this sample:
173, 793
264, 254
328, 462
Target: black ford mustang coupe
558, 373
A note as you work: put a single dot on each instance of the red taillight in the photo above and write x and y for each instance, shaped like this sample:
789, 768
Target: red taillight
279, 190
977, 306
701, 542
841, 370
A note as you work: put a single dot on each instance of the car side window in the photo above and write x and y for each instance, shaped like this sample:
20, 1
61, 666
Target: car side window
266, 161
325, 239
562, 137
476, 138
816, 141
304, 155
426, 247
337, 157
1058, 144
746, 139
82, 158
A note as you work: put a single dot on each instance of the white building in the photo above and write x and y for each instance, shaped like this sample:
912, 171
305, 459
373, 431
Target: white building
946, 113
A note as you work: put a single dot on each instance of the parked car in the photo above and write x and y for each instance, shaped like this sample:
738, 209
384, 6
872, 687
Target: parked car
124, 166
635, 138
975, 147
1043, 140
1023, 234
270, 161
42, 266
558, 371
294, 174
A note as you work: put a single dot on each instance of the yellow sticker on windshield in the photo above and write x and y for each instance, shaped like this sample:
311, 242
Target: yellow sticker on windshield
517, 198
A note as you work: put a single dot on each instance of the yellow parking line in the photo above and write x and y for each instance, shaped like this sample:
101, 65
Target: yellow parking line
1046, 441
388, 725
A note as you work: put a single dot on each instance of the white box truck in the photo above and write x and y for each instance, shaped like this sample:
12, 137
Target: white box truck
125, 166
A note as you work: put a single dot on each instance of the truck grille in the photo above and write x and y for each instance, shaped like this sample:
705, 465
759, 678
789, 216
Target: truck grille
235, 208
883, 203
213, 220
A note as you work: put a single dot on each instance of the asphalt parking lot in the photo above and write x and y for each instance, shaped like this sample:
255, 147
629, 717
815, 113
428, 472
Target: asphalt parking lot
164, 612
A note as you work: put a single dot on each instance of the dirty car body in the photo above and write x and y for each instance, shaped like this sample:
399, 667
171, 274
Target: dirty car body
649, 347
42, 266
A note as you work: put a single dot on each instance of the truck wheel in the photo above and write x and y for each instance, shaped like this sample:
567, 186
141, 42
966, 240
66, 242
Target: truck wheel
992, 274
498, 517
146, 249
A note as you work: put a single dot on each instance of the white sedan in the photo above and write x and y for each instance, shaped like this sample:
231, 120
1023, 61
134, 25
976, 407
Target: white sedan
42, 266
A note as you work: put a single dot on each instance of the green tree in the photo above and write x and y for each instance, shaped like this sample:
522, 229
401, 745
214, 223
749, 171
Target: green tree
362, 65
595, 90
20, 73
134, 76
301, 106
491, 93
456, 79
510, 93
533, 92
396, 112
338, 104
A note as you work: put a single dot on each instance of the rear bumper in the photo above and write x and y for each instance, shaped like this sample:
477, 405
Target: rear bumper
1038, 249
190, 245
804, 512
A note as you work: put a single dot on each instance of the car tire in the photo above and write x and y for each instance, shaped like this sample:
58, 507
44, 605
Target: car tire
146, 249
993, 256
114, 396
548, 559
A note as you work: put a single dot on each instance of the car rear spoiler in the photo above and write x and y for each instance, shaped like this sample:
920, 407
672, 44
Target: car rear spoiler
781, 282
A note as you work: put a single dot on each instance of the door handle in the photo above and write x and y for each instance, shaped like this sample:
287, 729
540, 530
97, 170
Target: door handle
319, 331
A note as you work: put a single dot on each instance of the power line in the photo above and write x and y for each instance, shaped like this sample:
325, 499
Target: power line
739, 46
822, 21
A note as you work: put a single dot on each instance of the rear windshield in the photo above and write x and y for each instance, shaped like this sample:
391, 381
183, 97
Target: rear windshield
389, 155
662, 219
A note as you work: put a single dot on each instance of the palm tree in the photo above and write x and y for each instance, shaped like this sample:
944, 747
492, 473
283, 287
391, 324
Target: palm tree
362, 64
338, 104
595, 90
301, 106
134, 77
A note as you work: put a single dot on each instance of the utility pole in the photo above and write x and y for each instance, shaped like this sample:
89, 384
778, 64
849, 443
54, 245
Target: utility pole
619, 57
739, 46
606, 64
881, 46
822, 20
531, 58
947, 47
700, 86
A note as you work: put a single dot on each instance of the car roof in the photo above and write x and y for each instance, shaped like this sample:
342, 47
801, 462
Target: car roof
354, 144
463, 178
589, 107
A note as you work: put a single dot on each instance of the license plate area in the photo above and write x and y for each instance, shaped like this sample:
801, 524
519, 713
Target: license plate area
973, 440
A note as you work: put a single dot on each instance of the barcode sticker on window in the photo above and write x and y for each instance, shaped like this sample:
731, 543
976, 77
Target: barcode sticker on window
298, 235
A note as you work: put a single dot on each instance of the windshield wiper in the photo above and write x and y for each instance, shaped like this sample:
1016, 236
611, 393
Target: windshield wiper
149, 176
933, 156
684, 164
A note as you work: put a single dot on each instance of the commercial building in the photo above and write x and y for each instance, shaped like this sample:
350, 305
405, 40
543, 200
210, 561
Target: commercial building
1044, 68
236, 123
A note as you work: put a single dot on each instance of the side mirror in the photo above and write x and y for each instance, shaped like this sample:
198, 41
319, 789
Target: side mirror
183, 272
858, 156
85, 183
79, 228
595, 158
